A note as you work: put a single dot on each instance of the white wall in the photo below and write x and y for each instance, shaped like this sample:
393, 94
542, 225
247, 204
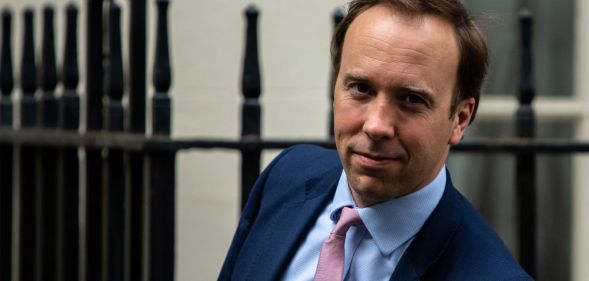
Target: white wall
208, 42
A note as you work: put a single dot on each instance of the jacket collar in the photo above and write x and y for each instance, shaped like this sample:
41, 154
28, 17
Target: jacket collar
432, 239
300, 215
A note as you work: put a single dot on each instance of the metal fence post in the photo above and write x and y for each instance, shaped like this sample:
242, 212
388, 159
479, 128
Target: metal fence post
136, 124
526, 161
6, 150
69, 121
95, 247
251, 109
47, 119
29, 264
114, 167
162, 185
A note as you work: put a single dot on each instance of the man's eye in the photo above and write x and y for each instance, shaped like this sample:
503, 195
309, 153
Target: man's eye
413, 99
360, 88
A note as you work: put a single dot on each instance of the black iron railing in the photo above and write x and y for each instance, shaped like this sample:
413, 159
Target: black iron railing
128, 224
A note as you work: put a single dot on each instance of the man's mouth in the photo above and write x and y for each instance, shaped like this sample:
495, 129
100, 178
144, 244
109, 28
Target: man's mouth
374, 160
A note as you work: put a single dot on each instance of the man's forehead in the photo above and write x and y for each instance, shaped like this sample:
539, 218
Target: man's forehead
400, 13
383, 23
416, 48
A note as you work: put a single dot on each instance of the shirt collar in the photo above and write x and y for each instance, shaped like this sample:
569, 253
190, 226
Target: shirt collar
394, 222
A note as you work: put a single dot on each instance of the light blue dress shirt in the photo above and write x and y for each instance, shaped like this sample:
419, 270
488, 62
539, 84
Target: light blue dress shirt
372, 251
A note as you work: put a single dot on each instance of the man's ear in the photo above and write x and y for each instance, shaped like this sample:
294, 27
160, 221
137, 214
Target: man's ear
461, 119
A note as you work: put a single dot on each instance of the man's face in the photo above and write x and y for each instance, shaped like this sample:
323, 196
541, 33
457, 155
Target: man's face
393, 92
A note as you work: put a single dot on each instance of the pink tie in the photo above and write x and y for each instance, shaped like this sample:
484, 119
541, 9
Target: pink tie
331, 259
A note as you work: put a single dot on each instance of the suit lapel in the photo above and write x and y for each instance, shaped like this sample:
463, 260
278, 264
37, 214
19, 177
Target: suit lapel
292, 222
431, 241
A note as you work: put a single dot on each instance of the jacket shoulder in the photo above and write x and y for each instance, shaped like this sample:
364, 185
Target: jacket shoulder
305, 160
295, 169
475, 250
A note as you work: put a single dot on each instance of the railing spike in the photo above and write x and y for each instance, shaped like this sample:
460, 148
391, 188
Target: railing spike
6, 74
162, 74
137, 76
250, 83
71, 71
47, 103
48, 68
69, 111
116, 81
527, 91
94, 74
113, 107
28, 71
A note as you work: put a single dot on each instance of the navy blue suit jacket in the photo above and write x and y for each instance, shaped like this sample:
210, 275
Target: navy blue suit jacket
454, 243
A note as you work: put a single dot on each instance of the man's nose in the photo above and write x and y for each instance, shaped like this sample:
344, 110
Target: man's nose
379, 122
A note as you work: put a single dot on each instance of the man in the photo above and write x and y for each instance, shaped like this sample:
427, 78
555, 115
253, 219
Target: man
409, 74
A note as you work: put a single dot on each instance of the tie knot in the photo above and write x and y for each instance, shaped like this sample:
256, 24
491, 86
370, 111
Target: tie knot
348, 217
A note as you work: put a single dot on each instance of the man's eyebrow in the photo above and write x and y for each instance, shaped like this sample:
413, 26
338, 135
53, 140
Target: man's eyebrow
354, 76
426, 93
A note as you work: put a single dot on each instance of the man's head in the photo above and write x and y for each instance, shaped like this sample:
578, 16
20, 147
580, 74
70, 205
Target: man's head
472, 67
398, 103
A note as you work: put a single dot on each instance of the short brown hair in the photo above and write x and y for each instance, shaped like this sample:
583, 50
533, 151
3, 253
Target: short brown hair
473, 62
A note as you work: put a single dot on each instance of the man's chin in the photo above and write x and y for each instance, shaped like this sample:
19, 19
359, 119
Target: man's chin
369, 191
